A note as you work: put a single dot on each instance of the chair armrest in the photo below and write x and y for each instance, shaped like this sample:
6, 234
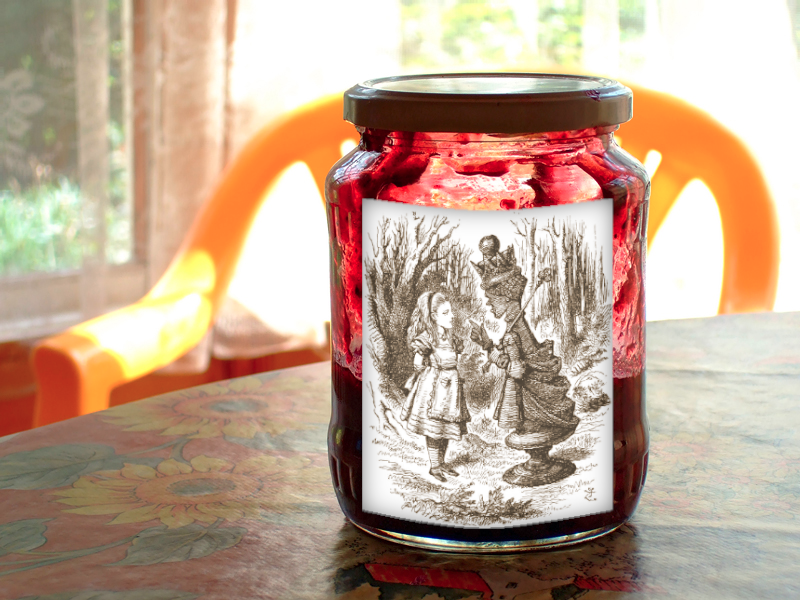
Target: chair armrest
77, 370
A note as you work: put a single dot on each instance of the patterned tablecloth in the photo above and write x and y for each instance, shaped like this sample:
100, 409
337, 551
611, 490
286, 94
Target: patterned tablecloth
223, 492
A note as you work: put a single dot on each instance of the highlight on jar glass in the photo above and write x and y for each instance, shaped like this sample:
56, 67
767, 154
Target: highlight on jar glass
488, 240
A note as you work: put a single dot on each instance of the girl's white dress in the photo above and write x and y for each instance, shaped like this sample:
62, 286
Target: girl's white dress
435, 406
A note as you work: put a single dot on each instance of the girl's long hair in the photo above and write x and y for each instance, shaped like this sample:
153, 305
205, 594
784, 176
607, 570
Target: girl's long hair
422, 317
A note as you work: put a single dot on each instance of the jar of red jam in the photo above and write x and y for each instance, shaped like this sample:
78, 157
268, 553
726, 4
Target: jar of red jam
488, 241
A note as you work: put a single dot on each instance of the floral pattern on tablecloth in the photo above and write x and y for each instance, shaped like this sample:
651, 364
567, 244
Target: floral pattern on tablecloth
240, 408
175, 502
232, 482
204, 489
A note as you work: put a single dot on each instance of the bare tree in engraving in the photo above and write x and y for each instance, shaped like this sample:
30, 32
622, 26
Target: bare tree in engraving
526, 228
576, 303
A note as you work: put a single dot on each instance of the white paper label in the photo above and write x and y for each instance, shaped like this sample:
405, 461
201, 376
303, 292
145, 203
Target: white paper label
487, 363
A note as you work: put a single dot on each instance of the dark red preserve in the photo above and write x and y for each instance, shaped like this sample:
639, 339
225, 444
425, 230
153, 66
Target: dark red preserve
488, 240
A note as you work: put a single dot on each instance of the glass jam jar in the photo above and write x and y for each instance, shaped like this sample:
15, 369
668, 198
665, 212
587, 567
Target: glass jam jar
488, 241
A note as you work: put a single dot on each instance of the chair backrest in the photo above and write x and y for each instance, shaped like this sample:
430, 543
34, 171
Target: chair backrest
77, 369
693, 145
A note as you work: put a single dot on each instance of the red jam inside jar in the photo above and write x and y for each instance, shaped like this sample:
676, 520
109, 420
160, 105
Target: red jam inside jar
511, 163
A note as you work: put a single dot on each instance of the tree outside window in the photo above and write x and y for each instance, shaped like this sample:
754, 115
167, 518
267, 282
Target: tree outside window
40, 188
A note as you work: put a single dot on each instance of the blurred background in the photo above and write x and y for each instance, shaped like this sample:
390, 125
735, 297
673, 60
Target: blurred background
117, 116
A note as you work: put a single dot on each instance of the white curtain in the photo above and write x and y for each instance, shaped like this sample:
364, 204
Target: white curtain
184, 79
272, 69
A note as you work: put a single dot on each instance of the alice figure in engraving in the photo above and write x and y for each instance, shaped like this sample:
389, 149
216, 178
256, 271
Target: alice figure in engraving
435, 406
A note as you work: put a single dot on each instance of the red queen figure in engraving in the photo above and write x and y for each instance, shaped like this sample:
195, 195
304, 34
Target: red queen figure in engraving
435, 406
533, 398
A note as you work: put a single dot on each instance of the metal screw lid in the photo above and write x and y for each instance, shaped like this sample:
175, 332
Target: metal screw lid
488, 103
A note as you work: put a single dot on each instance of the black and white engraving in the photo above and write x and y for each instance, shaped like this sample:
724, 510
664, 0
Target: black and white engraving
487, 370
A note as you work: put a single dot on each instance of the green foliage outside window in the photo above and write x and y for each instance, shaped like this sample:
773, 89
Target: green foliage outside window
40, 197
474, 35
561, 24
39, 228
480, 34
476, 31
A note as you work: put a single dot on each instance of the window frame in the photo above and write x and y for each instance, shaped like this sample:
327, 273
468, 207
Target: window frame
39, 304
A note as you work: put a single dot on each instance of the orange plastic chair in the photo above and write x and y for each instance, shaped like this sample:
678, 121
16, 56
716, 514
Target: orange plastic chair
77, 369
693, 145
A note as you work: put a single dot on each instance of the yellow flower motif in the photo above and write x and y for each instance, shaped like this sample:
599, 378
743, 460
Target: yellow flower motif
205, 490
237, 408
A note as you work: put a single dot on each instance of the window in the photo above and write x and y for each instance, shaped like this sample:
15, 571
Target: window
66, 208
